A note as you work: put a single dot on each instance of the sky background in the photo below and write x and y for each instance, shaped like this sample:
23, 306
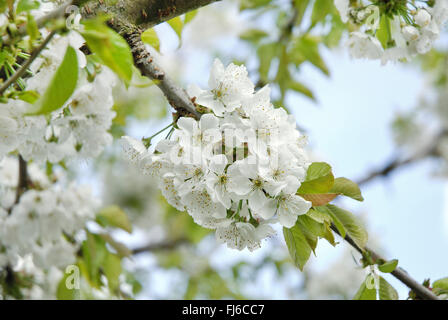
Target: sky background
349, 127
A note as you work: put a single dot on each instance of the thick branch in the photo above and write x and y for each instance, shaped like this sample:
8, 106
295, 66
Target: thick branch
176, 96
421, 291
143, 13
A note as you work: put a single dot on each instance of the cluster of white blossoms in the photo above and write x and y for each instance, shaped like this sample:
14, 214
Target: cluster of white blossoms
238, 168
405, 27
40, 233
79, 129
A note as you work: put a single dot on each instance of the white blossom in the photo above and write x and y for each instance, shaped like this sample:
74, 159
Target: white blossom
235, 170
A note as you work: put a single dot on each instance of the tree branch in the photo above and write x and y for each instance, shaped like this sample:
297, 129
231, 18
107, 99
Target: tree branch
421, 291
159, 246
398, 163
22, 182
176, 96
143, 13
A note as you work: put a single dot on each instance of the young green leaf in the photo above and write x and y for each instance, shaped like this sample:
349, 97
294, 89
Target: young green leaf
386, 291
115, 217
319, 199
150, 37
388, 266
347, 188
177, 25
112, 270
27, 5
365, 293
61, 86
351, 224
189, 16
319, 179
298, 246
110, 47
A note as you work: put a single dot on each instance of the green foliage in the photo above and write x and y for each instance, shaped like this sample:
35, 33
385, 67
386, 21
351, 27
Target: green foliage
365, 293
150, 37
114, 216
347, 223
298, 246
110, 47
27, 5
177, 25
347, 188
388, 266
386, 291
440, 286
61, 86
319, 179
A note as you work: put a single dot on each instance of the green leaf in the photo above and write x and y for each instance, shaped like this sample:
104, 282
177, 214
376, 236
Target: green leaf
27, 5
306, 48
338, 223
319, 216
112, 270
110, 47
441, 284
319, 179
321, 9
61, 86
365, 293
150, 37
319, 199
388, 266
115, 217
301, 88
31, 27
301, 6
383, 32
94, 252
253, 35
253, 4
177, 25
351, 223
266, 53
386, 291
298, 246
189, 16
63, 292
347, 188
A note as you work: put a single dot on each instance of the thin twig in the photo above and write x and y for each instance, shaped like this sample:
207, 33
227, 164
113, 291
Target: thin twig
22, 182
399, 163
421, 291
19, 73
159, 246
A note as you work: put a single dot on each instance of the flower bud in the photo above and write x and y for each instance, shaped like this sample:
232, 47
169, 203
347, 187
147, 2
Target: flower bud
410, 33
422, 18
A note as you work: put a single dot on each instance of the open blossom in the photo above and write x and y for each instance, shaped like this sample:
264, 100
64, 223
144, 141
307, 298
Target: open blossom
38, 236
79, 129
409, 31
235, 170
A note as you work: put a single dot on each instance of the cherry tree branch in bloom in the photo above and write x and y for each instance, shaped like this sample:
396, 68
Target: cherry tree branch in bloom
19, 73
399, 273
